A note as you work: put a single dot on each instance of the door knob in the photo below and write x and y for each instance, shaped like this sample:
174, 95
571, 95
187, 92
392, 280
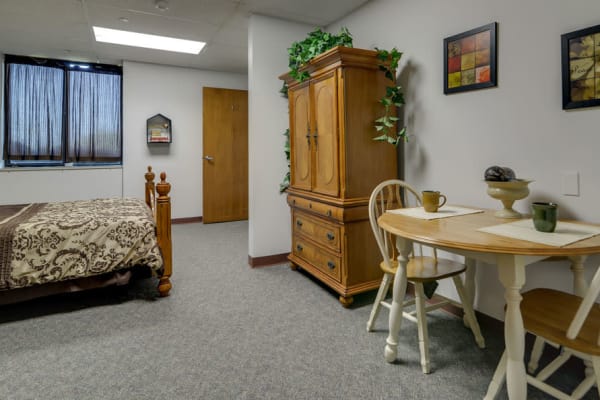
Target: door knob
208, 158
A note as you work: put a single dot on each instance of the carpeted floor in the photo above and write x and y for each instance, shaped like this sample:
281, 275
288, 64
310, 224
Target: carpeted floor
230, 332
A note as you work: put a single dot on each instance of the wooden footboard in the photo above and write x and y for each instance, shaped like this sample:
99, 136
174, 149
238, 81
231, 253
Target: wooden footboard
161, 209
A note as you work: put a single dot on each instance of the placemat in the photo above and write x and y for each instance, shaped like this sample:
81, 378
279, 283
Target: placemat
443, 212
564, 234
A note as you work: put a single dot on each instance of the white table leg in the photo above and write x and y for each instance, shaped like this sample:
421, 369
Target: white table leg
399, 292
469, 285
580, 285
511, 270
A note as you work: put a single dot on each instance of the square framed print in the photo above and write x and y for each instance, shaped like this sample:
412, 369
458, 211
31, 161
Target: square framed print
580, 52
470, 59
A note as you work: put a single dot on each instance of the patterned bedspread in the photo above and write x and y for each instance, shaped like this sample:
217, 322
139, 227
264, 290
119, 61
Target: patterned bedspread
52, 242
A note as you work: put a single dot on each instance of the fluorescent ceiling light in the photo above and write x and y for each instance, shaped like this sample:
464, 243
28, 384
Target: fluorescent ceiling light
148, 41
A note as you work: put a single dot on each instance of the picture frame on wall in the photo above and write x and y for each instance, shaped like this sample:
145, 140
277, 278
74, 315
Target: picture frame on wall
470, 59
580, 56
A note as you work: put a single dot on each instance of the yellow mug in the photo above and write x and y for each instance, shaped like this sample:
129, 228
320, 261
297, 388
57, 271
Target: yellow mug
431, 200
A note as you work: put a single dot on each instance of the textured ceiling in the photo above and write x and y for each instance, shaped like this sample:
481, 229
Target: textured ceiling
63, 28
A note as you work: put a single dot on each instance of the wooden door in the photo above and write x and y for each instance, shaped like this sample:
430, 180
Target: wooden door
325, 132
300, 156
225, 158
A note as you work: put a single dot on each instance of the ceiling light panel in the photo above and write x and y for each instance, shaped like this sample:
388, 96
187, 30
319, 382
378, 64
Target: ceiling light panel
135, 39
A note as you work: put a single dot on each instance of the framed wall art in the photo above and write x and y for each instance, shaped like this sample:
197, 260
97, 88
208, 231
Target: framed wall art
158, 129
581, 68
470, 59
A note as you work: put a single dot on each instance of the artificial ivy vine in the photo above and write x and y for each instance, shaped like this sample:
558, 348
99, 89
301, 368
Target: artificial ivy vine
316, 42
286, 148
393, 99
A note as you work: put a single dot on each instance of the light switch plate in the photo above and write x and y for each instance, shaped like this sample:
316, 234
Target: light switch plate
570, 183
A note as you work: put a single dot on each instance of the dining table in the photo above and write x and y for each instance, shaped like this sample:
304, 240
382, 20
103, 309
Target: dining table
509, 244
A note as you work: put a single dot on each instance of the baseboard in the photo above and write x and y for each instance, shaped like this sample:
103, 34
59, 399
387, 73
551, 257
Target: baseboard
273, 259
187, 220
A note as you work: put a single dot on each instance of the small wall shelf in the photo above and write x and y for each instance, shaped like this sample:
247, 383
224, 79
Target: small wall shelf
158, 129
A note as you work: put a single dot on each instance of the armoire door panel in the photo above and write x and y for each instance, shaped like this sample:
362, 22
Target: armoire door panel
300, 157
326, 176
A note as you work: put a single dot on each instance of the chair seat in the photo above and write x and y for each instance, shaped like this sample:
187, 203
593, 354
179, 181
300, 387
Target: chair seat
548, 313
426, 269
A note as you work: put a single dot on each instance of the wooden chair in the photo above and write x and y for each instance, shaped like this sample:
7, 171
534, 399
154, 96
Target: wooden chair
569, 321
421, 269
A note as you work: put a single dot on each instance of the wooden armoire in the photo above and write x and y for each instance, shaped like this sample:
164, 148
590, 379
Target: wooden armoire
334, 165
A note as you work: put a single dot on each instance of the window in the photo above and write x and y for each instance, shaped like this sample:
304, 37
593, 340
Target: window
59, 112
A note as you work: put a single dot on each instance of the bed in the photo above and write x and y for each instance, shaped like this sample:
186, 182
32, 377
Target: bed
48, 248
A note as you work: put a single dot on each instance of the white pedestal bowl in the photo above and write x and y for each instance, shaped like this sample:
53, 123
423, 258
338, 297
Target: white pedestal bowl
508, 193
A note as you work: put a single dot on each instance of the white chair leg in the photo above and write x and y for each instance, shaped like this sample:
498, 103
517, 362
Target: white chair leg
381, 293
422, 327
469, 313
596, 366
469, 285
498, 379
536, 354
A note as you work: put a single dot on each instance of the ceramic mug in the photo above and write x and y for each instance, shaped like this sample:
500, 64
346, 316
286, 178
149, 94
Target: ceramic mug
544, 216
431, 200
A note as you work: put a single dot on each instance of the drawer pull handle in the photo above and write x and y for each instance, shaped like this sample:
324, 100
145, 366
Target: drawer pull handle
299, 247
330, 236
329, 213
298, 222
330, 264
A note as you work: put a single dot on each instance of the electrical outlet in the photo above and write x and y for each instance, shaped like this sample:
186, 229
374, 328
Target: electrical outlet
570, 183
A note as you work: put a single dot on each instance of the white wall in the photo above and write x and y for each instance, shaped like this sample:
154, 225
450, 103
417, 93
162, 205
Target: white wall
519, 124
269, 215
176, 93
39, 185
147, 90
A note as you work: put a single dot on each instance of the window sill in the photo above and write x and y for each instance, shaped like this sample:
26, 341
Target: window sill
59, 168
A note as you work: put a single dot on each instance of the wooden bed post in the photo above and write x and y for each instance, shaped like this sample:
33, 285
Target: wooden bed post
163, 231
150, 188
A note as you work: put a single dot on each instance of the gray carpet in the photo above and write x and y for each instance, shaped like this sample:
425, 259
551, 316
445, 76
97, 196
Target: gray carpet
230, 332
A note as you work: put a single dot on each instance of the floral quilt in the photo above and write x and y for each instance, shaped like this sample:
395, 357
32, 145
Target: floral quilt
50, 242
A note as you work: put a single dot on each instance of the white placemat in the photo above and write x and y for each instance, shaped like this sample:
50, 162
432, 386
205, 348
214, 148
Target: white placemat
443, 212
564, 234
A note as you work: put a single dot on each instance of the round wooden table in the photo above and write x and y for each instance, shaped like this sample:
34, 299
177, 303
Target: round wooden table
460, 235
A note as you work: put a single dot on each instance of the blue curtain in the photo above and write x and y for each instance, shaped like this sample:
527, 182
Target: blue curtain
94, 132
34, 118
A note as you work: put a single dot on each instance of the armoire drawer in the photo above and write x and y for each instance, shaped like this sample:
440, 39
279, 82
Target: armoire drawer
316, 207
322, 232
326, 262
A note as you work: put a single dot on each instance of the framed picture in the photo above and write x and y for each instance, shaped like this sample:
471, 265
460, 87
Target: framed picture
470, 60
158, 129
581, 68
